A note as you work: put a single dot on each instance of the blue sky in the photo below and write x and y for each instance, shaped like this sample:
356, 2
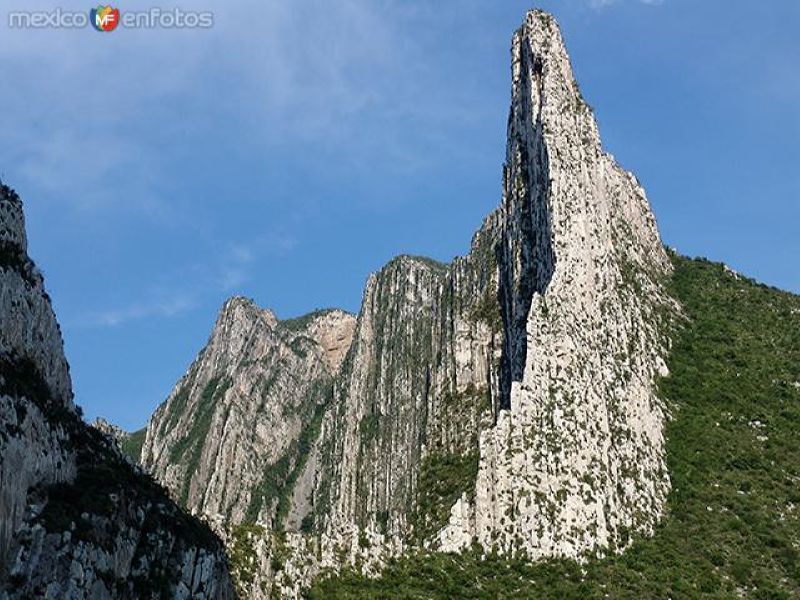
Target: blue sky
297, 146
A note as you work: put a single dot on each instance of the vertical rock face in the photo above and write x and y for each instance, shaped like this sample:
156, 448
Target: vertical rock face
34, 376
76, 519
232, 434
417, 387
576, 460
567, 427
507, 398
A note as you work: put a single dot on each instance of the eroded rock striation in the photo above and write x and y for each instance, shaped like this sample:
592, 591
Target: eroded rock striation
509, 398
231, 435
234, 436
575, 462
506, 399
76, 519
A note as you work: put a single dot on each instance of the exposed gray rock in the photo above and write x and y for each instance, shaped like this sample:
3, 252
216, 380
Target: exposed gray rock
506, 399
227, 439
76, 519
575, 463
116, 433
235, 434
32, 360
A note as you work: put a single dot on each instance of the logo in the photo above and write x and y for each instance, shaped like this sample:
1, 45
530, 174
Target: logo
104, 18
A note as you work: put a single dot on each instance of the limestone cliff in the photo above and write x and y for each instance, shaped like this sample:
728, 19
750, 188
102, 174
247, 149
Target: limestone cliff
76, 519
509, 398
506, 399
575, 462
231, 434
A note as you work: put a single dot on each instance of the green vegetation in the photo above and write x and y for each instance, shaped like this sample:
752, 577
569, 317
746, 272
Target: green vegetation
106, 488
132, 445
471, 399
301, 322
458, 418
305, 443
488, 309
369, 427
443, 477
278, 479
270, 487
102, 487
190, 447
427, 261
300, 345
176, 408
242, 556
734, 458
20, 378
13, 257
109, 488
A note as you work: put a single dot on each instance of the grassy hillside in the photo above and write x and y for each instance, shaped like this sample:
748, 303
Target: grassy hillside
132, 445
734, 456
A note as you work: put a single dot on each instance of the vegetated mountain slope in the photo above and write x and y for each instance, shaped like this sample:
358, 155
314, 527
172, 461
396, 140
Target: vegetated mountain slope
76, 519
129, 443
732, 526
231, 435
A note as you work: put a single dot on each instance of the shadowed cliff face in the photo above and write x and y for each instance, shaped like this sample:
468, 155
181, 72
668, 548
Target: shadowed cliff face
575, 461
526, 256
75, 517
35, 376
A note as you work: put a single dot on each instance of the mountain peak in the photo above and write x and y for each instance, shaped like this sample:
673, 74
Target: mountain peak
244, 307
333, 330
12, 219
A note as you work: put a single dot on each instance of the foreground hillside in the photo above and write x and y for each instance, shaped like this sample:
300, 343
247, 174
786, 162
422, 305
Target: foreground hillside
77, 520
734, 459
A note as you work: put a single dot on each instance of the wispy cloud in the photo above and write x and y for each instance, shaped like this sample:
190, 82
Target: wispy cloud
154, 307
599, 4
185, 289
93, 120
77, 114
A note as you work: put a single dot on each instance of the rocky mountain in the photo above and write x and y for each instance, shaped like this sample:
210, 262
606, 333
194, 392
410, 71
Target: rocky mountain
524, 374
130, 443
76, 519
732, 520
236, 429
507, 399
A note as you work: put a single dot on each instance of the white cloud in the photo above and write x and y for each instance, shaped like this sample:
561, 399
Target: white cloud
185, 289
92, 115
154, 307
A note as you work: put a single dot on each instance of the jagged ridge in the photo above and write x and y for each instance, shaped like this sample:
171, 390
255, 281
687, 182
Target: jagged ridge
507, 398
228, 436
734, 391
